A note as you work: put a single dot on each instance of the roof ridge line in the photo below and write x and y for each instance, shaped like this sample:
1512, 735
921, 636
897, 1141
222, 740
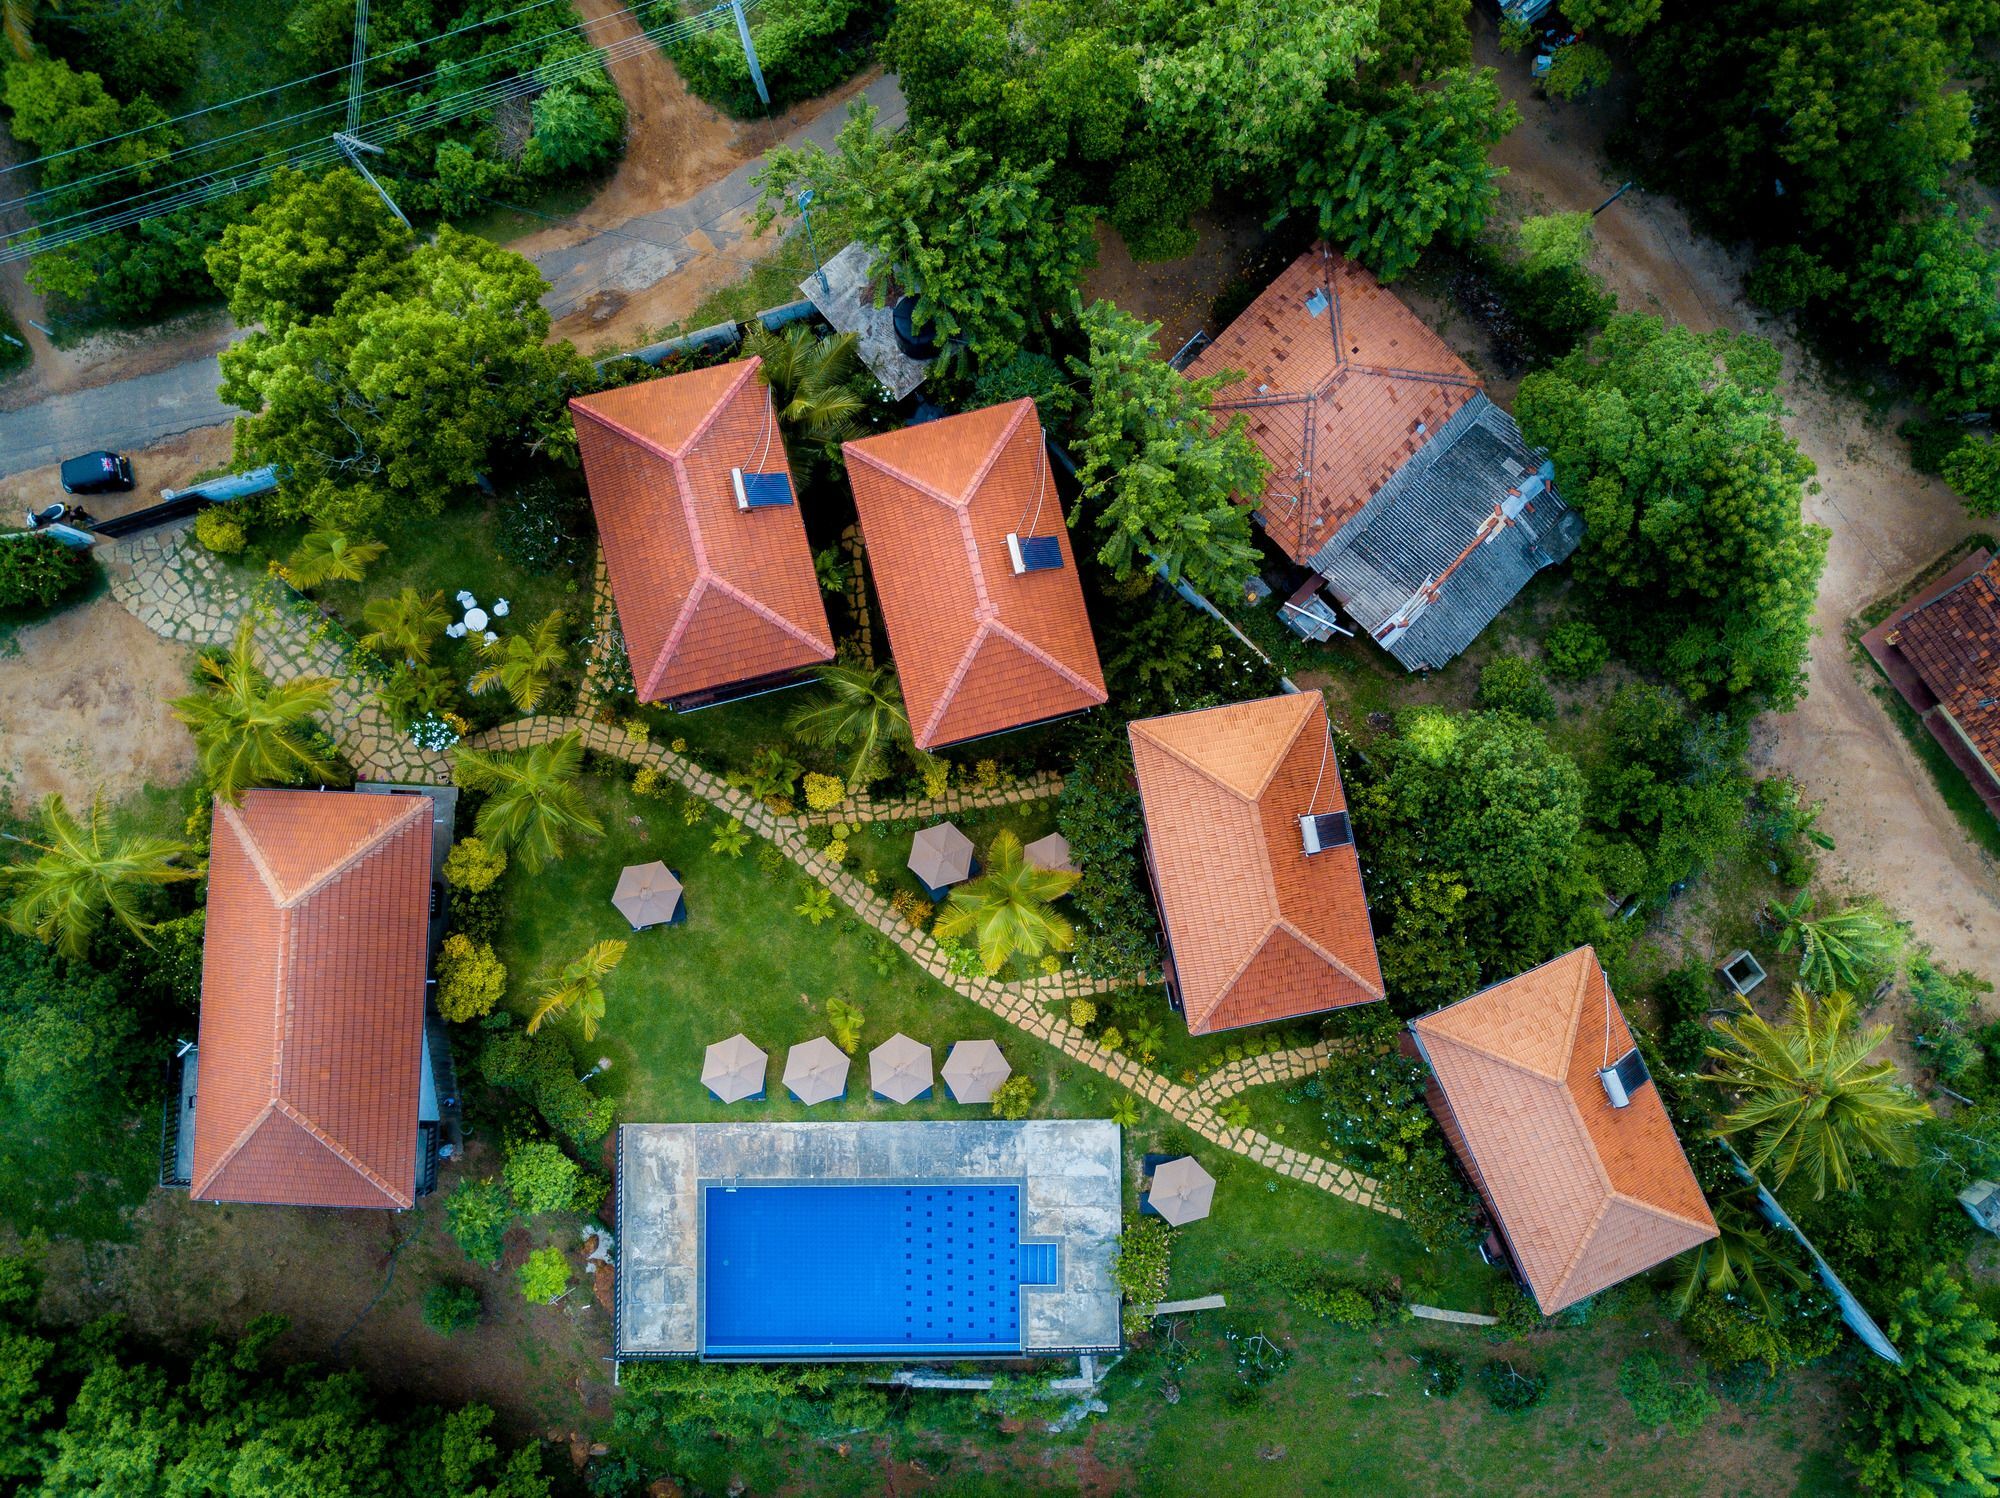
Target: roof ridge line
703, 580
1203, 771
1285, 922
1028, 647
854, 449
236, 1147
1513, 1063
1000, 444
949, 691
1582, 1243
339, 1151
652, 445
1278, 760
233, 815
369, 846
757, 606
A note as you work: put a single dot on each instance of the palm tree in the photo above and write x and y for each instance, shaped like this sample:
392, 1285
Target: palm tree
813, 385
1843, 949
860, 712
1809, 1095
1008, 906
17, 19
534, 802
580, 986
252, 731
82, 870
522, 664
328, 555
406, 624
1737, 1259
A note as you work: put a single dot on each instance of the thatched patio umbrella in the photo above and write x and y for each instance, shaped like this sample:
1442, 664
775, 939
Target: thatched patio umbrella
734, 1070
973, 1069
1051, 852
940, 857
899, 1069
816, 1072
1182, 1191
648, 894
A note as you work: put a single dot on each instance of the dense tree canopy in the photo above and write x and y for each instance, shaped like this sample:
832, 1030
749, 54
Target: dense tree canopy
1696, 551
1932, 1426
313, 242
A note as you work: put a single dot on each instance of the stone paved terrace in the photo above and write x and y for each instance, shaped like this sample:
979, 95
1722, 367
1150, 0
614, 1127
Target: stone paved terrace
1071, 1169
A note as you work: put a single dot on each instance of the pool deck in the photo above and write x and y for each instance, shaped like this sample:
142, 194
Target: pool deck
1071, 1170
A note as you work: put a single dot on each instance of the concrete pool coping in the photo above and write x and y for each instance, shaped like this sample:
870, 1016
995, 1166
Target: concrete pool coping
1070, 1171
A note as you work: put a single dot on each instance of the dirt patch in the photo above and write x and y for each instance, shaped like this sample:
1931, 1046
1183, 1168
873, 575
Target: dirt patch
171, 464
1177, 294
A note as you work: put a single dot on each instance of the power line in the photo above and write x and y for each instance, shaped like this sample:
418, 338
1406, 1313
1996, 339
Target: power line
169, 198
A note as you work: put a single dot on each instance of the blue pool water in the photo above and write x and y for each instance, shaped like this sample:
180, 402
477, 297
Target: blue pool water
866, 1269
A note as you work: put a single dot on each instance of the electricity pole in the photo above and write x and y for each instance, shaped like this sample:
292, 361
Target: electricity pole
356, 73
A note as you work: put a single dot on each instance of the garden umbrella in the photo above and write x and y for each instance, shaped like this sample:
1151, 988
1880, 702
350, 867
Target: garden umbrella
816, 1072
899, 1069
941, 856
973, 1069
1051, 852
648, 894
734, 1069
1182, 1191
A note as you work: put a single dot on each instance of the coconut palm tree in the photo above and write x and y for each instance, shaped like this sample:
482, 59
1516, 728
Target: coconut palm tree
82, 871
533, 803
250, 730
1008, 906
813, 386
1809, 1096
579, 986
1843, 949
1736, 1260
522, 664
328, 556
17, 20
406, 624
860, 713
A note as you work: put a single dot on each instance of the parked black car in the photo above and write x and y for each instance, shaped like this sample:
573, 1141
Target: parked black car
97, 473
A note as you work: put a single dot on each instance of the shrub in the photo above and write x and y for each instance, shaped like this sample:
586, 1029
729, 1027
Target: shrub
1576, 651
937, 777
544, 1276
816, 906
1658, 1399
913, 908
1140, 1270
1015, 1097
1111, 1039
1682, 998
1517, 1314
544, 525
1513, 684
824, 792
1342, 1304
220, 532
38, 571
539, 1176
1082, 1013
1511, 1387
451, 1308
1441, 1370
844, 1020
730, 839
473, 864
470, 978
477, 1215
1035, 376
647, 781
1098, 812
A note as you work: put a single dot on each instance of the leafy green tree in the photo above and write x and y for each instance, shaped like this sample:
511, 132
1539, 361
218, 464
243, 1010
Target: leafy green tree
859, 713
1553, 241
450, 1309
249, 730
473, 865
1576, 70
37, 572
816, 384
1695, 550
405, 625
61, 113
1015, 1097
533, 805
521, 664
1165, 488
1394, 173
421, 383
1514, 684
978, 242
304, 248
1007, 906
540, 1177
327, 556
470, 978
83, 871
1808, 1095
478, 1215
1973, 469
1619, 17
542, 1067
577, 124
1932, 1425
544, 1277
1926, 294
579, 986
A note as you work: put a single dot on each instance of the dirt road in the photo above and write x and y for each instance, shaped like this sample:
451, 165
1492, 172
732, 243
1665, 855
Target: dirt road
1894, 835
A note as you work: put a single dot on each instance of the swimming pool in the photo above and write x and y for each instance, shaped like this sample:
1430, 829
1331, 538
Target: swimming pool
865, 1269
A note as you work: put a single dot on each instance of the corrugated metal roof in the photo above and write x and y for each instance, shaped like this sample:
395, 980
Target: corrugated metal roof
1421, 532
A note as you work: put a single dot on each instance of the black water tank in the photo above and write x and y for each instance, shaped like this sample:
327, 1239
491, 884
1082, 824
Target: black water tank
914, 345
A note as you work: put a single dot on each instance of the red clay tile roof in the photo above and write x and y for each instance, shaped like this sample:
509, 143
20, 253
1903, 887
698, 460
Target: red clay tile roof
978, 648
1954, 643
312, 1000
708, 595
1260, 930
1585, 1193
1338, 400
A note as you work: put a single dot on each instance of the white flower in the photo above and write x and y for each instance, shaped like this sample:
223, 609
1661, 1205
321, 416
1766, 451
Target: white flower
491, 637
500, 609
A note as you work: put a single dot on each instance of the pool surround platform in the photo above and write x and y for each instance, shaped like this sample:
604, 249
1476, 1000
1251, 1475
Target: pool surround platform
890, 1241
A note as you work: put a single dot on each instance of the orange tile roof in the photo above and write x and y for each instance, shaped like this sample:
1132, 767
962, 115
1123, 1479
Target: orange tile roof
1586, 1194
978, 649
708, 595
1954, 643
312, 1000
1337, 399
1260, 930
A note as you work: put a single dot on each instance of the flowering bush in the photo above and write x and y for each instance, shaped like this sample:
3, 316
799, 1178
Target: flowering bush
1082, 1013
470, 978
434, 732
38, 571
824, 792
649, 782
473, 863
